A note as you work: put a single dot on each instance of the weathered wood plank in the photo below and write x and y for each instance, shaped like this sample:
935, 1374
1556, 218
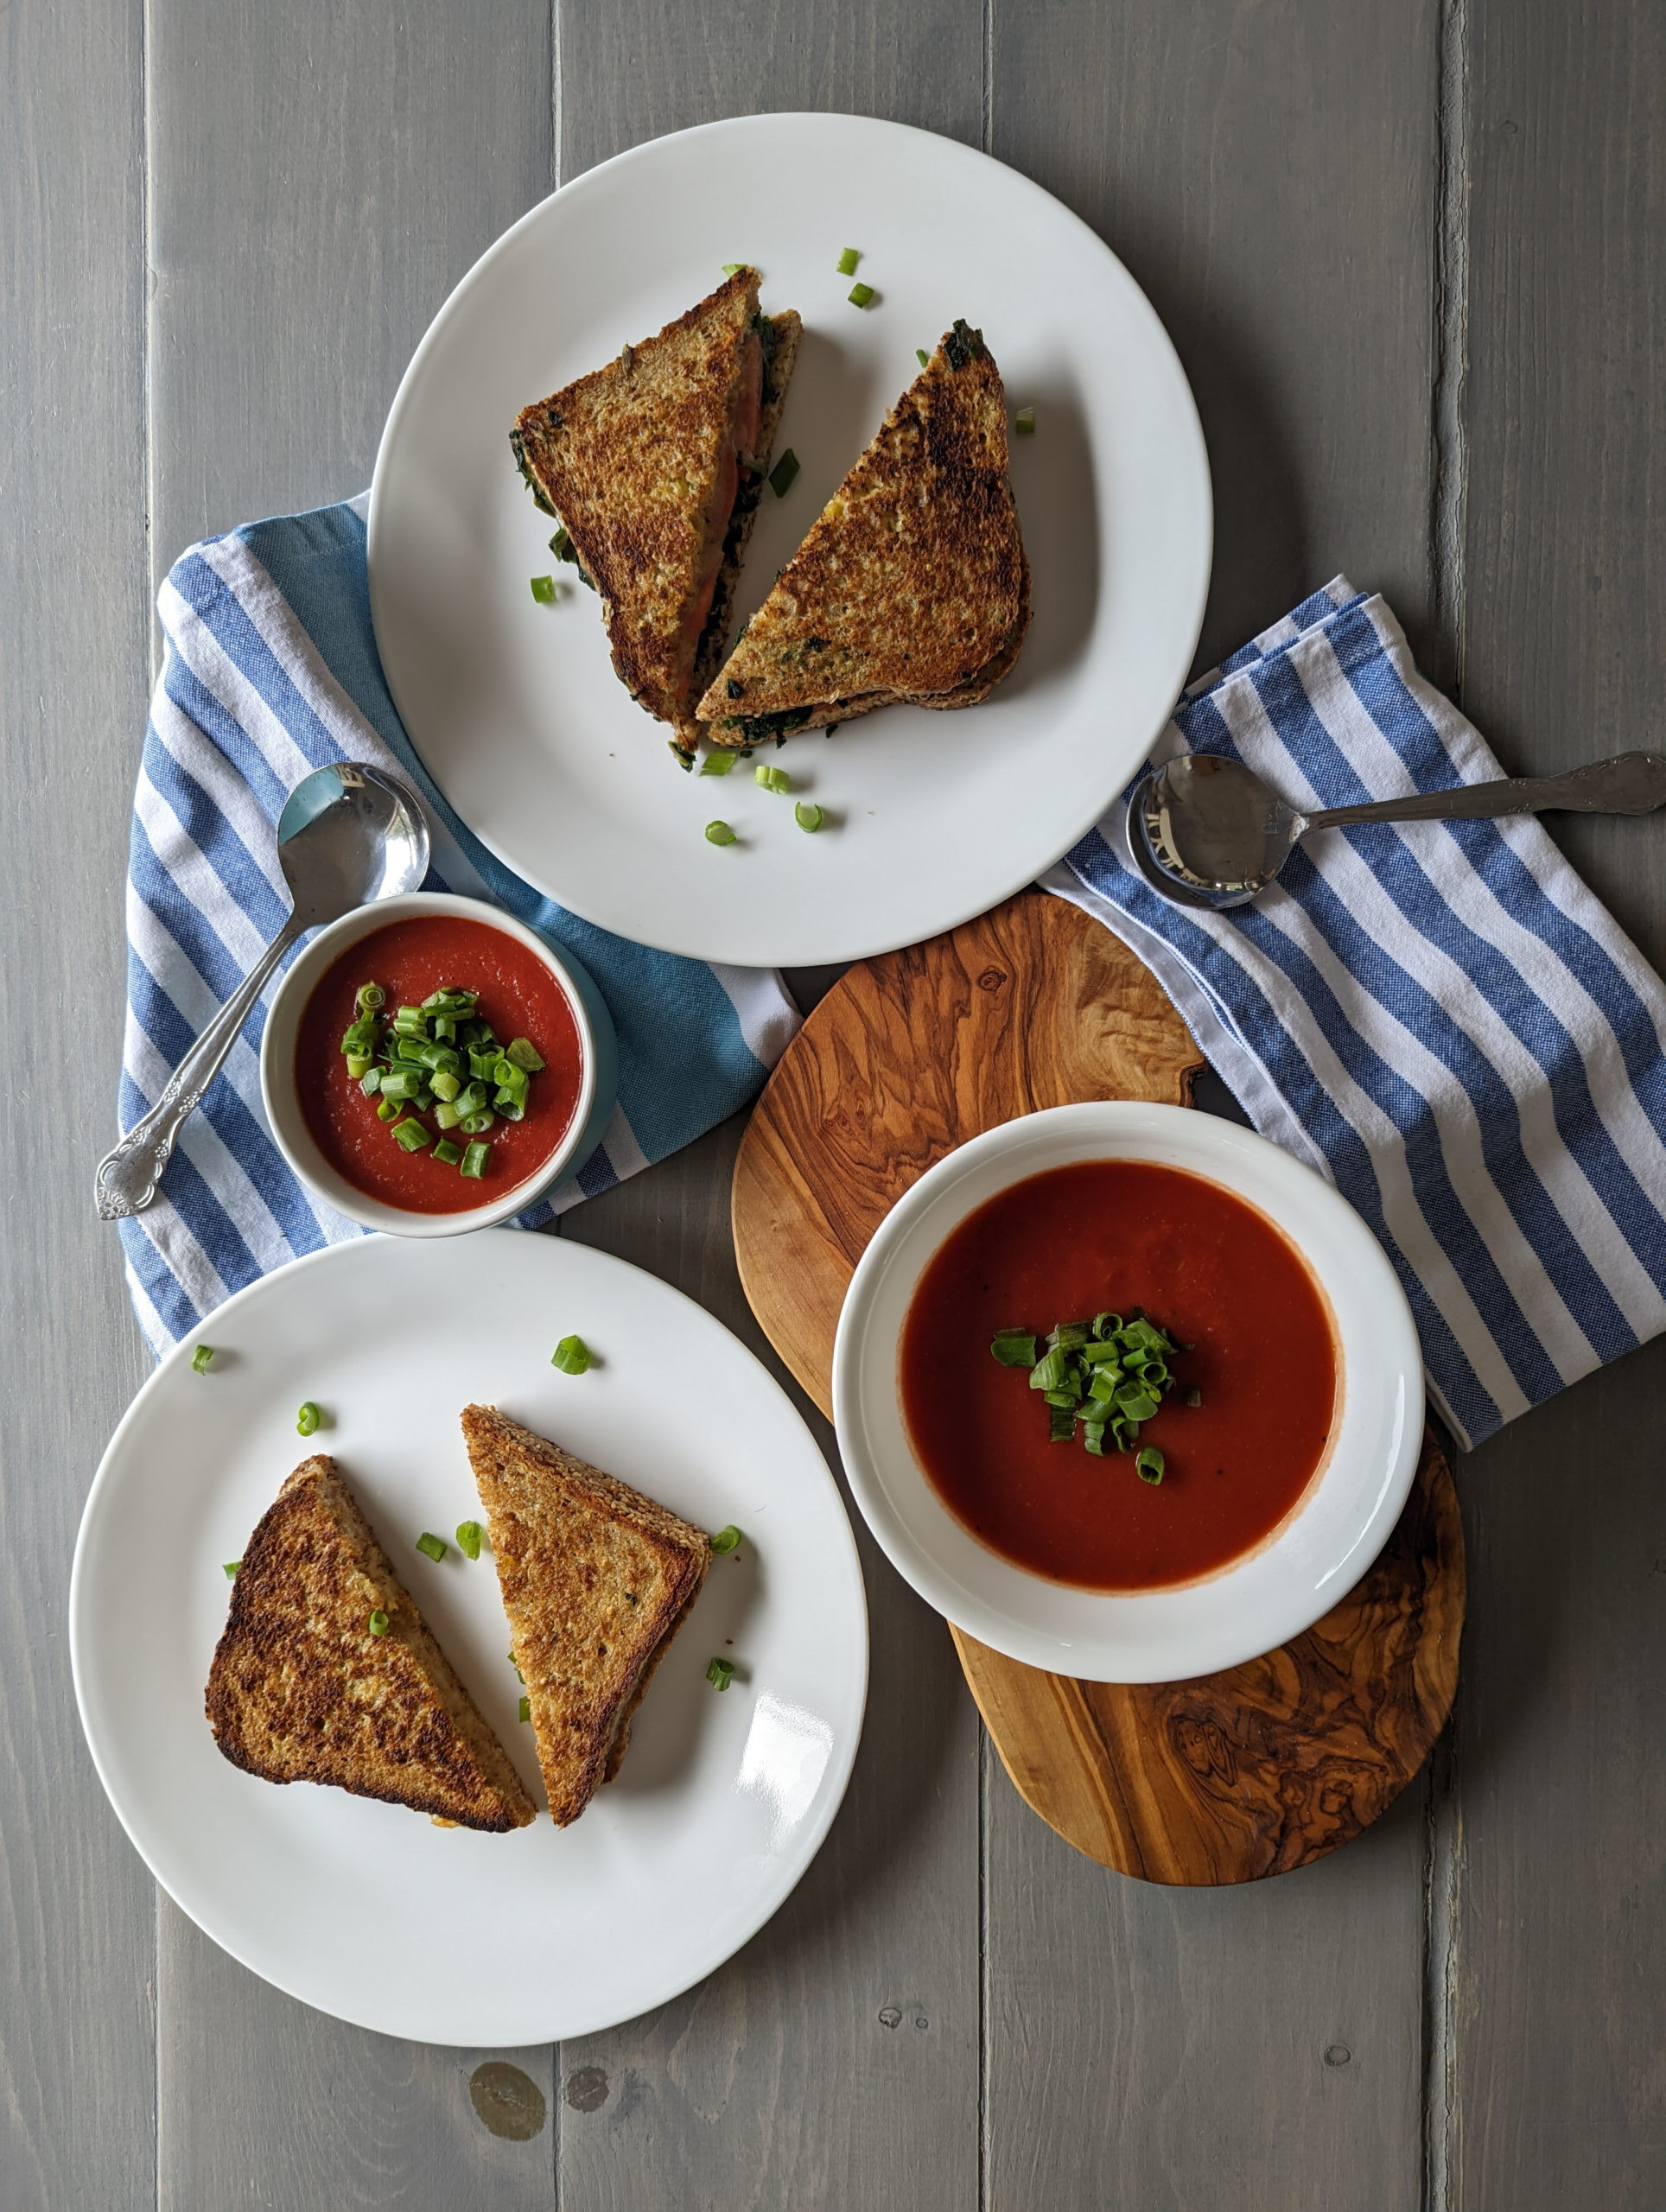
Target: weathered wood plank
835, 2061
1560, 1930
634, 69
76, 1929
320, 178
1268, 175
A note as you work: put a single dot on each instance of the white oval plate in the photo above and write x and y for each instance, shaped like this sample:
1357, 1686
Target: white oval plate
368, 1910
1253, 1603
514, 707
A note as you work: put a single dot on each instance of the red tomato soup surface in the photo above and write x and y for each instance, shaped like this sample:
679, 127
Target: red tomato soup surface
517, 996
1214, 1272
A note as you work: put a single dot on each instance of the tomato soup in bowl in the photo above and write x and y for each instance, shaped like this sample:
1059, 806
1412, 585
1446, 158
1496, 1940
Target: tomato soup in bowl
430, 1065
1128, 1393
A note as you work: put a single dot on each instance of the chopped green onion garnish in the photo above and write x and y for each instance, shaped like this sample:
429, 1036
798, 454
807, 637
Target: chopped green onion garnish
386, 1110
720, 1673
378, 1622
446, 1151
369, 997
781, 476
524, 1054
232, 1566
371, 1082
200, 1358
725, 1540
543, 590
1109, 1374
475, 1155
848, 260
860, 295
307, 1419
476, 1125
571, 1355
922, 357
719, 761
469, 1538
435, 1547
411, 1135
772, 779
733, 267
526, 1706
1024, 422
808, 815
719, 833
445, 1087
518, 1676
359, 1064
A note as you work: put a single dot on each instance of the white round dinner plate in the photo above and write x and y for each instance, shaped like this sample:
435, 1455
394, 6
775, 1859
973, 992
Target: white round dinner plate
366, 1909
514, 706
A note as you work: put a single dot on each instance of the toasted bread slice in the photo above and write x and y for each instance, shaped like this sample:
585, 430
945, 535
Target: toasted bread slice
301, 1691
596, 1581
654, 466
912, 583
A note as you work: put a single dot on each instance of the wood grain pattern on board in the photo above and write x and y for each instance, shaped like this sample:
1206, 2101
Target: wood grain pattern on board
1250, 1772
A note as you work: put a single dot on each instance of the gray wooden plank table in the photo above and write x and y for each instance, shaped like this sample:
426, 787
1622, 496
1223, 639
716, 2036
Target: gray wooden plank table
1412, 260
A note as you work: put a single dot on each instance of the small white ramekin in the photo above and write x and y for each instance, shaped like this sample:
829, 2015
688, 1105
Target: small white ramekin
598, 1069
1253, 1604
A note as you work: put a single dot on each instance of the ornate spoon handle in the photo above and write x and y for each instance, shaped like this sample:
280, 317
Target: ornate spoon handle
127, 1178
1631, 783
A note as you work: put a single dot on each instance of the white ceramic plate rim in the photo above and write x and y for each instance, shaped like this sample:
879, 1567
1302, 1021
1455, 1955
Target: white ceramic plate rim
277, 1089
492, 2017
1249, 1607
950, 854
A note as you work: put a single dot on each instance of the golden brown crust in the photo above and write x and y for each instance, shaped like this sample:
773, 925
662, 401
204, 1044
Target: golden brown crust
596, 1580
912, 583
300, 1689
629, 457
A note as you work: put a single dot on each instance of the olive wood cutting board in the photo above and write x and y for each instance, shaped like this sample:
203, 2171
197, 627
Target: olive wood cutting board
1221, 1779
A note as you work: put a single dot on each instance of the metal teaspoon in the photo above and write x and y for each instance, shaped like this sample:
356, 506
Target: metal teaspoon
1207, 831
346, 835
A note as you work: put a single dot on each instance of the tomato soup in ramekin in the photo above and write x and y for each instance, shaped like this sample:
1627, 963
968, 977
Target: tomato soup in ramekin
431, 1065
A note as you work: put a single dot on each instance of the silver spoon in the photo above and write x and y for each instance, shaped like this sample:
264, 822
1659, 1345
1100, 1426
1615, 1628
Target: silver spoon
1206, 831
346, 835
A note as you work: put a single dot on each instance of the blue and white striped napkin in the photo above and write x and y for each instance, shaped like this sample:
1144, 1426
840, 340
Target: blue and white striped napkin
271, 669
1439, 1017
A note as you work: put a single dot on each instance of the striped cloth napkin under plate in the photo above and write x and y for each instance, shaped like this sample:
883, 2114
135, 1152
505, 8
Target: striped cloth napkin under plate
271, 669
1439, 1017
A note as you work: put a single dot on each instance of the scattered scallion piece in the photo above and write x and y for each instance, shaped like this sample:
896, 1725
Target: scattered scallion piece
543, 590
1024, 422
719, 761
525, 1707
781, 476
444, 1150
469, 1538
1149, 1463
771, 778
200, 1358
848, 260
860, 295
432, 1546
378, 1622
232, 1566
309, 1419
1015, 1347
524, 1054
386, 1110
410, 1136
720, 1673
572, 1355
733, 267
922, 357
808, 815
726, 1540
519, 1677
719, 833
370, 998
